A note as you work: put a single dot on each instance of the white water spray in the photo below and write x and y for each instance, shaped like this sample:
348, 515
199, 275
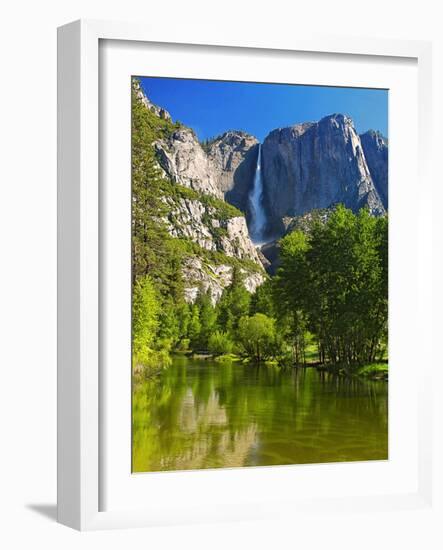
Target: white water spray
258, 217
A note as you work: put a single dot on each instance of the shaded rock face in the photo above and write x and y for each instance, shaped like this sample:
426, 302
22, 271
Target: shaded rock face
375, 148
234, 158
270, 252
184, 161
200, 275
315, 165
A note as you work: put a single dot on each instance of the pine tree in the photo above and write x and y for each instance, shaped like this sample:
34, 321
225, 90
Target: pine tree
194, 327
208, 318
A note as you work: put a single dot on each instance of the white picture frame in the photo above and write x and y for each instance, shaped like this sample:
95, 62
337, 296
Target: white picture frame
80, 410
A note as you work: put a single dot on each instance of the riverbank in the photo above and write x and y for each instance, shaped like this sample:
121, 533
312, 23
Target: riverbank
376, 371
371, 371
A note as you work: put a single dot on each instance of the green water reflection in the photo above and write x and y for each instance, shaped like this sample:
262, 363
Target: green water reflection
203, 414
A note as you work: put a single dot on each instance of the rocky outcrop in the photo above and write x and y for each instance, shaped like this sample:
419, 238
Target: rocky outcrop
236, 242
200, 275
185, 162
234, 157
315, 165
191, 219
271, 253
185, 220
159, 111
375, 148
305, 222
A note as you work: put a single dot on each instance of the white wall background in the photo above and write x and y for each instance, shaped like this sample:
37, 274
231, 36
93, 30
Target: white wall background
28, 268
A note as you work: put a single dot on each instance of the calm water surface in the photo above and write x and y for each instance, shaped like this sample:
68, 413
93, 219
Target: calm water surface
204, 414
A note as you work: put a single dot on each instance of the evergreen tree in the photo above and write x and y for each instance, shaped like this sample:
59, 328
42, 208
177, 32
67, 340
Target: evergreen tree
207, 316
194, 327
233, 304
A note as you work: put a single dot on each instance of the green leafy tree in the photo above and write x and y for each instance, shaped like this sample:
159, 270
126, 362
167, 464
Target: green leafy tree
262, 301
333, 280
220, 343
257, 337
169, 324
145, 311
147, 354
291, 288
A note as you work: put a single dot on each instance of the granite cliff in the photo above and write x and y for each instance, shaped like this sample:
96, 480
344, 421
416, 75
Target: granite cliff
375, 148
315, 165
184, 161
234, 157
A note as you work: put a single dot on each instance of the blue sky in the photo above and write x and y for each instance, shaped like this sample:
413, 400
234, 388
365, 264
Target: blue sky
211, 107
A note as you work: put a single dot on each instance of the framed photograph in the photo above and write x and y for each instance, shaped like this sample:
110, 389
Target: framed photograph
236, 249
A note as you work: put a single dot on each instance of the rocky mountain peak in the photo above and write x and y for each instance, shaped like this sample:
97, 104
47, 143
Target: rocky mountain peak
338, 120
315, 165
234, 156
338, 126
281, 135
183, 160
375, 139
234, 138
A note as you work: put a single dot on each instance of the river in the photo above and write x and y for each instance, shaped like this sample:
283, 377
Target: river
206, 414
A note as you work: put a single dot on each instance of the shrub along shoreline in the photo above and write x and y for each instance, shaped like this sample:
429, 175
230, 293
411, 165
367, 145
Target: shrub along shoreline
371, 371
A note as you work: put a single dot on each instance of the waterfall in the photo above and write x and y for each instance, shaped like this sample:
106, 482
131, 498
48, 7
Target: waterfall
258, 217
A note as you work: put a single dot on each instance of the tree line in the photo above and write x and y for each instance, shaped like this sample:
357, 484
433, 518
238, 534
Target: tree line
331, 289
234, 324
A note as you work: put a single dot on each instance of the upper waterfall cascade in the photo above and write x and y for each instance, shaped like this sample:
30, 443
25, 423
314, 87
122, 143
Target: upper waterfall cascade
258, 216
